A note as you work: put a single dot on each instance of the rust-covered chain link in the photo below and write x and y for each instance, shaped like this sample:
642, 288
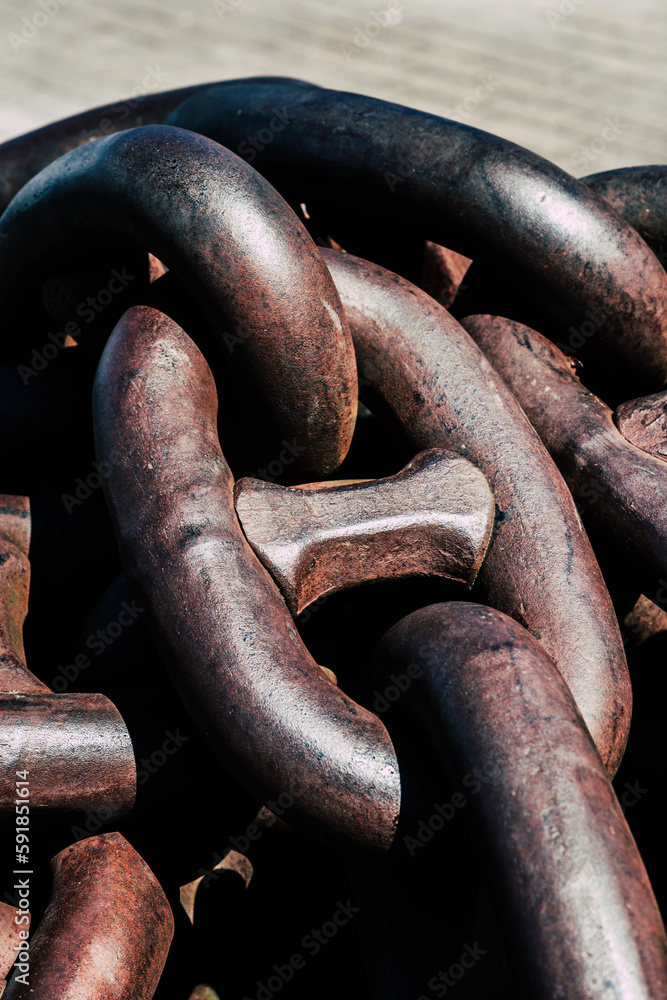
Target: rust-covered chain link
327, 571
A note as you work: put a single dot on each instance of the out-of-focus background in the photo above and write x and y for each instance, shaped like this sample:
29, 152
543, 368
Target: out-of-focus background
583, 82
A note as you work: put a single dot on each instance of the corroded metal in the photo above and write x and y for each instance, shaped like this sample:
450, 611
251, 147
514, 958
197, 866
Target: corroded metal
644, 621
468, 190
443, 273
619, 488
14, 588
639, 195
10, 937
75, 747
576, 905
237, 660
23, 157
107, 929
234, 243
78, 752
435, 517
247, 283
540, 568
644, 422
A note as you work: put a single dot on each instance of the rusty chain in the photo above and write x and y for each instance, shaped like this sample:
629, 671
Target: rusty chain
395, 548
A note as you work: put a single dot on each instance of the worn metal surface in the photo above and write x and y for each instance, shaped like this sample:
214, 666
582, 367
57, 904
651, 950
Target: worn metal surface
237, 660
471, 191
435, 517
106, 931
234, 243
78, 752
249, 285
75, 746
573, 895
644, 621
10, 937
619, 488
443, 273
644, 422
639, 195
14, 588
23, 157
540, 568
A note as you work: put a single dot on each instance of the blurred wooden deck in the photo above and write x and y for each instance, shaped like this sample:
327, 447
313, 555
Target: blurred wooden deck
583, 82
